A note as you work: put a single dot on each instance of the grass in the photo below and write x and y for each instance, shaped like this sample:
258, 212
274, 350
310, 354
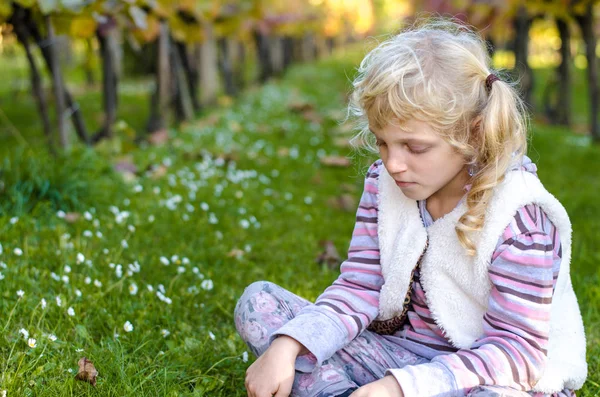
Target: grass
215, 203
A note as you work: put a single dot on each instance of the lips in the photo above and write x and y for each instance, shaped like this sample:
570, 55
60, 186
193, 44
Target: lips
404, 184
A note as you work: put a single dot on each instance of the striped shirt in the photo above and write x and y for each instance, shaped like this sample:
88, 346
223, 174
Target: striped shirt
512, 350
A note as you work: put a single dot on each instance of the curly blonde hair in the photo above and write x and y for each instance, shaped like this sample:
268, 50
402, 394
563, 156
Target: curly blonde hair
435, 71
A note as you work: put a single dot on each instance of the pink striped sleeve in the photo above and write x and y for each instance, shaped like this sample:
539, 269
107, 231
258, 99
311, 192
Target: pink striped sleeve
346, 307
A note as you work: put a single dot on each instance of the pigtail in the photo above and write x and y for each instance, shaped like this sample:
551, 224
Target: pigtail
501, 137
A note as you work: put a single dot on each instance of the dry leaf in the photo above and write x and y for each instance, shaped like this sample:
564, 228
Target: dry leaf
125, 166
87, 372
335, 161
347, 187
158, 171
329, 256
236, 252
341, 142
345, 202
72, 217
159, 137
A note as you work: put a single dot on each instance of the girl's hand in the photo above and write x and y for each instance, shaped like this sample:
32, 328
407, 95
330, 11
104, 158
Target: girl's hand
272, 374
387, 386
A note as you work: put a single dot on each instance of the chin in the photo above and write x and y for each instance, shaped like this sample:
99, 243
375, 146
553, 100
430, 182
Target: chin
414, 195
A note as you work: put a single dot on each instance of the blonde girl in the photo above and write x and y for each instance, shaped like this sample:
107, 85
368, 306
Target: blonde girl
457, 278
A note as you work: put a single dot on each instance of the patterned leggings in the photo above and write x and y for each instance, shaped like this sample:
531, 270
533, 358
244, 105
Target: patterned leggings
264, 307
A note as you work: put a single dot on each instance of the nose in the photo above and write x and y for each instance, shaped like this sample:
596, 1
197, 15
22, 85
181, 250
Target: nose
396, 162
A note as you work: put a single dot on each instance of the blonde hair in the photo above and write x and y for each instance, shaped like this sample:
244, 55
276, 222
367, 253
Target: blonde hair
435, 71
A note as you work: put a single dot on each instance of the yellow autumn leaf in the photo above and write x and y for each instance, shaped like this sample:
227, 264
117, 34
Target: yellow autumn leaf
83, 27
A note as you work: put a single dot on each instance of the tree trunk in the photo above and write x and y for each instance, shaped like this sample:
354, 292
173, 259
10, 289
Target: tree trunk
239, 64
586, 24
59, 95
209, 74
225, 66
106, 38
563, 108
36, 81
276, 53
288, 51
181, 93
522, 24
77, 117
264, 58
161, 99
190, 70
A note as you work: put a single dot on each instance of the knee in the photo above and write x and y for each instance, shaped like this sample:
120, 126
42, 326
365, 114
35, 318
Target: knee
249, 292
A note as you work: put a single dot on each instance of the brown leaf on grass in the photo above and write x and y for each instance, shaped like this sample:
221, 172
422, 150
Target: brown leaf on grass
158, 171
342, 142
345, 202
349, 188
72, 217
236, 252
307, 110
159, 137
329, 256
335, 161
125, 165
87, 372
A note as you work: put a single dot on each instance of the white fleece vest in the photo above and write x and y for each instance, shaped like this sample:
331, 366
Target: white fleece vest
457, 286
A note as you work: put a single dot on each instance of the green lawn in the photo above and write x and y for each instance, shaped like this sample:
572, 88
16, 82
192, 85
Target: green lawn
249, 180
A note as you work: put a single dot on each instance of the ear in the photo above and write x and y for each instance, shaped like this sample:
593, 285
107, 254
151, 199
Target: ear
476, 138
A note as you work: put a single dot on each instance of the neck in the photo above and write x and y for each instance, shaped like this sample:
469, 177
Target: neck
445, 200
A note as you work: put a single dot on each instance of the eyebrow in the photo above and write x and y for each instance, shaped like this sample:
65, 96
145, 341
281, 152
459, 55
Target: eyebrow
408, 140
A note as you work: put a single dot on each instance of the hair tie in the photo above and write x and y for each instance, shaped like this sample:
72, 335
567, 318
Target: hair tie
489, 81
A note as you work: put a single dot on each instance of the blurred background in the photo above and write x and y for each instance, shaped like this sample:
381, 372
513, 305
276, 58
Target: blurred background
132, 68
158, 156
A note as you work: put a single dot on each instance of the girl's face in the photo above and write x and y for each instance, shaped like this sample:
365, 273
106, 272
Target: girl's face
423, 164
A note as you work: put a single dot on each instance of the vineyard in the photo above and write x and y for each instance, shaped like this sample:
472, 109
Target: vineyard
158, 156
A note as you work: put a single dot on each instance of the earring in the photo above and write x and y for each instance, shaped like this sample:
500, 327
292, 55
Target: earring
472, 170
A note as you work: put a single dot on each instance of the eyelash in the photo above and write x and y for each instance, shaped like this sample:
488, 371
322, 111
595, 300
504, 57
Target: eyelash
380, 143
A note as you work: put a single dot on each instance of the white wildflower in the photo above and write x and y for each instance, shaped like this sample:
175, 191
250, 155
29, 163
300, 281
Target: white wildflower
131, 228
185, 261
151, 218
119, 271
150, 288
78, 293
20, 293
55, 276
43, 303
24, 332
211, 335
67, 269
61, 214
1, 276
87, 280
138, 188
71, 312
133, 289
244, 224
87, 215
52, 337
58, 301
181, 269
65, 279
164, 260
100, 235
87, 233
128, 327
31, 342
207, 284
165, 333
245, 357
204, 206
80, 258
14, 220
98, 283
124, 244
18, 251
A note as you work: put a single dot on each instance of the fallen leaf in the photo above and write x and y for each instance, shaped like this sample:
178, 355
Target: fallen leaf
159, 137
124, 166
345, 202
87, 372
335, 161
347, 187
329, 256
236, 252
72, 217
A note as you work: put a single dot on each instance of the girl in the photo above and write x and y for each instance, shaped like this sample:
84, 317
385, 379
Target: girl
457, 278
